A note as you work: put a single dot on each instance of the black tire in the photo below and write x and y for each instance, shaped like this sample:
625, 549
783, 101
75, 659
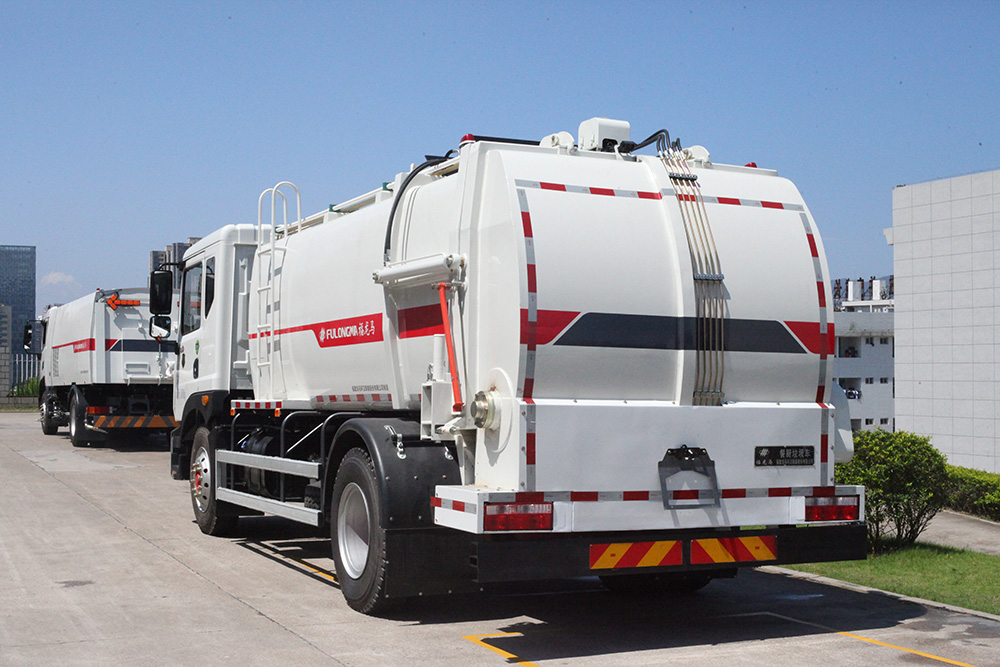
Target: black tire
77, 431
49, 424
357, 534
213, 517
657, 583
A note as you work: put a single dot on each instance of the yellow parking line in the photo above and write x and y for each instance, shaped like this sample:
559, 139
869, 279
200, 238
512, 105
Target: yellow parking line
478, 639
908, 650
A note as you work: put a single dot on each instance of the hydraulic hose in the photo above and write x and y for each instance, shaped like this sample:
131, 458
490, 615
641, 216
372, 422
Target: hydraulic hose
430, 162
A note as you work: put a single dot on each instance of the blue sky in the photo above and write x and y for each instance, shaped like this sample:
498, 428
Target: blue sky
125, 126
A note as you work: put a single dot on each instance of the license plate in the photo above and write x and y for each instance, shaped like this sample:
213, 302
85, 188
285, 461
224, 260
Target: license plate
784, 456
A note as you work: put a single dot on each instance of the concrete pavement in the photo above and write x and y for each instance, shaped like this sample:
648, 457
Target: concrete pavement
962, 531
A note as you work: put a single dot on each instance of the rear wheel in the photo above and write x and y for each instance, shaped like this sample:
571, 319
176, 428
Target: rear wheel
357, 534
206, 508
77, 431
658, 583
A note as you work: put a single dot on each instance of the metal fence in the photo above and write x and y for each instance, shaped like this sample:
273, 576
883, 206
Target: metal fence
23, 367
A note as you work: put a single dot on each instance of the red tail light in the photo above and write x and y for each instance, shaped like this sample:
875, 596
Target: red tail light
832, 508
518, 516
98, 410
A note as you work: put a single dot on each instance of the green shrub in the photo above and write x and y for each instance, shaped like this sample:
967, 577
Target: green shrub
974, 492
905, 480
25, 389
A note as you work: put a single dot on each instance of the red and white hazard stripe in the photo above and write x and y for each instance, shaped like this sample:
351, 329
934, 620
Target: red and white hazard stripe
255, 405
644, 496
353, 398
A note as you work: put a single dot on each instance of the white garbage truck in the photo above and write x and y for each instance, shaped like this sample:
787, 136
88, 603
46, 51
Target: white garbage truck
523, 360
102, 370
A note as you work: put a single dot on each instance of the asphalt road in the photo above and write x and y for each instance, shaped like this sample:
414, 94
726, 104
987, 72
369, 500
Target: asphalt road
100, 560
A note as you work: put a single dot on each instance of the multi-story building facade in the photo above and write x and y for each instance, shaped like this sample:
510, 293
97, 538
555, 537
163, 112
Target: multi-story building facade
863, 366
17, 290
946, 257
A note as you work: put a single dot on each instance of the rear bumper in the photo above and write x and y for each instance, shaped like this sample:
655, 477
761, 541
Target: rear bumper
522, 558
428, 561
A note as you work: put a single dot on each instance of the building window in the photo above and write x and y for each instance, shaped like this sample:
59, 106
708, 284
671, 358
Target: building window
869, 380
883, 421
869, 341
883, 341
883, 380
869, 421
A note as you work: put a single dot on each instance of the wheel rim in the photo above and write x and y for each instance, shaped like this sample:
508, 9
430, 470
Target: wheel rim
74, 408
353, 530
201, 479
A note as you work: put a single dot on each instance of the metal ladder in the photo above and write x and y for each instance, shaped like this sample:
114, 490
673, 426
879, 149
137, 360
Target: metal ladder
269, 320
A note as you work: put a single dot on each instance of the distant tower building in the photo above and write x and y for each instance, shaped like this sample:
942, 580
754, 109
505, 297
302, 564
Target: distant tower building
863, 366
171, 255
17, 290
945, 235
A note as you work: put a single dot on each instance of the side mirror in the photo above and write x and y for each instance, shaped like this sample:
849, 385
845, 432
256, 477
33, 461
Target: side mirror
161, 293
32, 341
159, 326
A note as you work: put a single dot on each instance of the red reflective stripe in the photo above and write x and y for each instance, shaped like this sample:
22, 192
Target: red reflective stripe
529, 497
584, 496
812, 245
607, 192
458, 505
729, 200
552, 186
529, 448
650, 195
824, 445
532, 283
690, 494
822, 294
734, 493
771, 204
635, 495
526, 223
435, 502
779, 492
824, 490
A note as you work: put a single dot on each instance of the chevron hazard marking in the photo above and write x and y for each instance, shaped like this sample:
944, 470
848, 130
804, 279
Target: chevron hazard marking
734, 550
635, 554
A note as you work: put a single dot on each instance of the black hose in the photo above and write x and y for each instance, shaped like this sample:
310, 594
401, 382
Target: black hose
430, 162
661, 137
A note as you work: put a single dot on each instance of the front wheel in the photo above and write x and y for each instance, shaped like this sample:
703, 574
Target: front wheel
206, 507
357, 534
49, 424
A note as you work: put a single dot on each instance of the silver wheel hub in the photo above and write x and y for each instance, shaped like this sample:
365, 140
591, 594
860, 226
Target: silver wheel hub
353, 530
201, 479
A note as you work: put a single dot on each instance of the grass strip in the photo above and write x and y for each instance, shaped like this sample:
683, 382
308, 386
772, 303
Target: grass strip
943, 574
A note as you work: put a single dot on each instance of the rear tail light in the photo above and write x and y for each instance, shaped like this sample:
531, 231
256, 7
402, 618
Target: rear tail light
98, 410
518, 516
832, 508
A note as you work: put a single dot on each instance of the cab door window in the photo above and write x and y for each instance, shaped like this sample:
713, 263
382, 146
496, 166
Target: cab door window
209, 284
191, 300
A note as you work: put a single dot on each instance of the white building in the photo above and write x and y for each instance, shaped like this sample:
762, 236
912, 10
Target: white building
863, 366
946, 255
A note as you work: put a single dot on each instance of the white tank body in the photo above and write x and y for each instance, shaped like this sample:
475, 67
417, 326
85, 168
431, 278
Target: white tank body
578, 306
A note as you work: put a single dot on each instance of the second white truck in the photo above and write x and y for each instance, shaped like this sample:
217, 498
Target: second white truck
102, 370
